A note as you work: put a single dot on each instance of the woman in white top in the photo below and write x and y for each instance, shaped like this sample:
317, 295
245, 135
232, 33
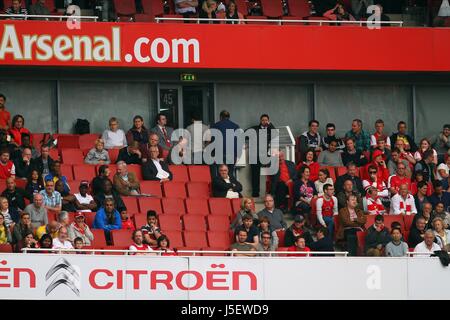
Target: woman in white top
425, 145
324, 178
442, 235
114, 137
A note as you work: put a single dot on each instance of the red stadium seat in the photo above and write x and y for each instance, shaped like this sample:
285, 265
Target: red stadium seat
68, 141
6, 248
124, 8
405, 236
199, 173
249, 20
197, 207
332, 172
67, 171
99, 238
140, 17
152, 188
299, 9
84, 172
361, 236
388, 219
146, 204
131, 204
218, 223
74, 186
121, 237
21, 183
341, 171
219, 240
288, 18
136, 168
54, 154
220, 206
50, 4
71, 216
140, 220
281, 235
242, 6
195, 239
169, 222
113, 154
272, 8
179, 173
198, 190
370, 220
408, 221
87, 141
173, 206
90, 217
194, 223
72, 156
153, 7
174, 189
85, 152
36, 138
175, 238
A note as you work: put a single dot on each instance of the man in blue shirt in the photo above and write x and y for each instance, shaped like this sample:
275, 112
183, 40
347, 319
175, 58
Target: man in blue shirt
439, 195
107, 218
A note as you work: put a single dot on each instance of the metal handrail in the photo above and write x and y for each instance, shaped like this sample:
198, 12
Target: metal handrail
60, 17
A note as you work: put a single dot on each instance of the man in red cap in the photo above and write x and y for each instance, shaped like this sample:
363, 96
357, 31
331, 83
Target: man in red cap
79, 228
378, 160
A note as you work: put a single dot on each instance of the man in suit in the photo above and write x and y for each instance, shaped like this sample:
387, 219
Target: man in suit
283, 181
126, 182
130, 154
156, 169
164, 133
267, 126
225, 185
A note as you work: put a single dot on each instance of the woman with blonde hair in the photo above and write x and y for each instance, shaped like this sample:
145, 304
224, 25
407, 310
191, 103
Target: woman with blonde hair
424, 146
246, 208
442, 235
98, 154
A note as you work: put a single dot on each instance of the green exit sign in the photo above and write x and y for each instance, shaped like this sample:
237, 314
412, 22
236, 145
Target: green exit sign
188, 77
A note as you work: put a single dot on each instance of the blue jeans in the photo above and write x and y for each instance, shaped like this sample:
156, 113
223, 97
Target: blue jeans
330, 225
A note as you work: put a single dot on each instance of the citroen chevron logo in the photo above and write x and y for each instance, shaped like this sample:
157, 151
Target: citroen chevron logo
68, 276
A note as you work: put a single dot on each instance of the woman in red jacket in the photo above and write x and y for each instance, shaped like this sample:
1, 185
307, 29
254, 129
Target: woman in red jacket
310, 160
18, 123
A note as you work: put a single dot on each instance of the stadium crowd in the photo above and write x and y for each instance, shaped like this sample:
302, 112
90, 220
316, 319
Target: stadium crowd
369, 193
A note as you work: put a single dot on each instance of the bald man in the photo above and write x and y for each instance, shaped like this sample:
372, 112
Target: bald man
37, 211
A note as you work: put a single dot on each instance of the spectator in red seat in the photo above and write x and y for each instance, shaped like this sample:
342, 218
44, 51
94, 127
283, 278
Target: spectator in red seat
138, 246
37, 212
274, 215
441, 143
347, 191
156, 169
350, 175
22, 228
360, 137
426, 166
299, 245
164, 245
107, 218
296, 229
395, 181
232, 12
377, 238
44, 162
396, 248
208, 11
78, 244
114, 137
439, 195
55, 175
83, 201
107, 192
5, 116
97, 182
304, 192
331, 136
26, 143
283, 181
428, 245
130, 154
311, 139
62, 241
324, 243
395, 160
265, 244
46, 242
242, 245
35, 184
17, 129
421, 197
409, 144
327, 208
372, 202
246, 208
321, 6
331, 157
151, 230
442, 234
264, 226
439, 211
187, 8
126, 221
403, 203
39, 8
225, 185
138, 132
417, 232
23, 164
16, 196
79, 229
351, 220
28, 241
126, 183
324, 178
309, 160
153, 142
379, 163
405, 155
338, 13
424, 146
350, 154
419, 178
381, 146
379, 132
98, 155
10, 216
164, 133
67, 199
5, 232
252, 231
7, 167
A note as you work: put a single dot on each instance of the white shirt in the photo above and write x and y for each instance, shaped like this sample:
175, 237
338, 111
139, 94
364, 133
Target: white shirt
231, 194
84, 200
114, 138
402, 206
373, 141
422, 248
418, 156
59, 245
183, 10
161, 173
142, 248
384, 193
444, 167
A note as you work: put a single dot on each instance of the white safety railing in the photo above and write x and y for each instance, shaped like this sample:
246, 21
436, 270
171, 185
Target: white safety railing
422, 254
280, 22
190, 252
47, 17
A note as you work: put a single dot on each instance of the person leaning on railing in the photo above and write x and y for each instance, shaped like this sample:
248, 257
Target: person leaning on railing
338, 13
16, 8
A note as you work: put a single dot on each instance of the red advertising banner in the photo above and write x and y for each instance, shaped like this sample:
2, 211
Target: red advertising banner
259, 47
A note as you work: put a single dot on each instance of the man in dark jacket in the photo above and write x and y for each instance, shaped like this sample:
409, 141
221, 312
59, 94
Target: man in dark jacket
283, 181
225, 185
265, 128
16, 196
324, 243
377, 238
154, 168
410, 145
350, 175
417, 232
44, 162
426, 166
23, 164
295, 230
130, 154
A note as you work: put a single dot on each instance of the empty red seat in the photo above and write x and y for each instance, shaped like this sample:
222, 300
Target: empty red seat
197, 207
218, 223
122, 237
341, 171
87, 141
113, 155
90, 218
179, 173
198, 190
199, 173
173, 206
169, 222
220, 206
146, 204
281, 235
219, 240
408, 221
175, 238
68, 141
361, 236
152, 188
272, 8
153, 7
299, 9
50, 4
131, 204
174, 189
140, 17
140, 220
99, 238
54, 154
124, 8
84, 172
136, 168
72, 156
74, 186
194, 223
6, 248
370, 220
21, 183
67, 171
195, 239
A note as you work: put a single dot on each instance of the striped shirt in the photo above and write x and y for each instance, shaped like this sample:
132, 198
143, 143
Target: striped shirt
11, 11
51, 201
